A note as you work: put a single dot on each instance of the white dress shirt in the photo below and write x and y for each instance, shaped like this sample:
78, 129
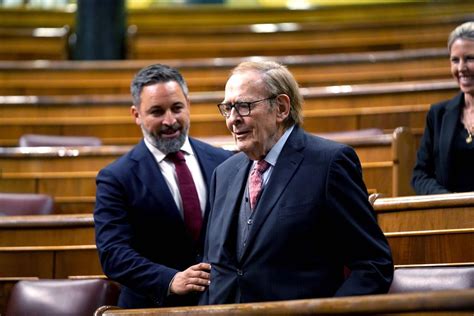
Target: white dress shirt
168, 171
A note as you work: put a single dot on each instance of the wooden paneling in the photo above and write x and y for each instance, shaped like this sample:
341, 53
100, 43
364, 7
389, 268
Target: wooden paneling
425, 212
26, 263
81, 183
326, 109
210, 74
192, 16
428, 229
46, 230
49, 261
34, 43
456, 302
432, 246
392, 13
305, 38
21, 17
72, 184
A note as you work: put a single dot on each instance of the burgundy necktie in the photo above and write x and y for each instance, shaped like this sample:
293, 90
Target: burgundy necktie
187, 189
256, 181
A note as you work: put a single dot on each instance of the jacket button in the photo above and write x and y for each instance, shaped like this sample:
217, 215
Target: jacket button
240, 272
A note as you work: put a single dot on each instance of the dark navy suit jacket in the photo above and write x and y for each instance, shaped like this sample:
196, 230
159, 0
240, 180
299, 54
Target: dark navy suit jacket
431, 174
313, 219
140, 235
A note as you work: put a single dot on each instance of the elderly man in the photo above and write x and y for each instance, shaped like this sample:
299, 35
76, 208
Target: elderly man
290, 212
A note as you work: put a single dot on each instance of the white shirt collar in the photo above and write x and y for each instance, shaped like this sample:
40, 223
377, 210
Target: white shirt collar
274, 153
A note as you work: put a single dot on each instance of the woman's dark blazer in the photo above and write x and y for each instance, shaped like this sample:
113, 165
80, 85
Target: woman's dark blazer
432, 173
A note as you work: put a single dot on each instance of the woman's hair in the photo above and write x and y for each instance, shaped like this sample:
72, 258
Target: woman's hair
464, 31
278, 80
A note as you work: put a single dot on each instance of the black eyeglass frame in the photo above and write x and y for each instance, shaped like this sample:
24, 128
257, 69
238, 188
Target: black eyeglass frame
239, 105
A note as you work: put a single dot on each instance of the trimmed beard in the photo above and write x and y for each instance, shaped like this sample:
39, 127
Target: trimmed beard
166, 146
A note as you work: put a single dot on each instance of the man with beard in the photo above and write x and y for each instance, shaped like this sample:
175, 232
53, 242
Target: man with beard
148, 228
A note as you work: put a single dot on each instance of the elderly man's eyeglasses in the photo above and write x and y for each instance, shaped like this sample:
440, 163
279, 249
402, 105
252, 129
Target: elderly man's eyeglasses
242, 108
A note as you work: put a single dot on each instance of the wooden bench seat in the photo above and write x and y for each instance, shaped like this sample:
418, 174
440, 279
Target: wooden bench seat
64, 261
326, 109
163, 15
425, 212
30, 17
454, 302
387, 161
428, 228
183, 33
432, 246
122, 130
391, 13
47, 230
52, 262
34, 43
58, 261
210, 74
343, 32
34, 239
285, 39
57, 159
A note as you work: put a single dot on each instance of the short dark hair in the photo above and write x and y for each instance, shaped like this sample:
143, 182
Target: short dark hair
153, 74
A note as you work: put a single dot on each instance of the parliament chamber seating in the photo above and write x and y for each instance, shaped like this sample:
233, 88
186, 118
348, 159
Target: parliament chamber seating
25, 204
326, 109
68, 174
69, 234
424, 229
321, 29
61, 246
453, 302
383, 85
31, 43
209, 74
285, 39
416, 290
61, 297
325, 30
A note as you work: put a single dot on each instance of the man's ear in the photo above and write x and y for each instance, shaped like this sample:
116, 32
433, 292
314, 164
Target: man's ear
136, 114
282, 107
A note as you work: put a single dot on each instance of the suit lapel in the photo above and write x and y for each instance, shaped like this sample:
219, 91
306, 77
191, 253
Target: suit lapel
147, 170
448, 127
286, 166
234, 196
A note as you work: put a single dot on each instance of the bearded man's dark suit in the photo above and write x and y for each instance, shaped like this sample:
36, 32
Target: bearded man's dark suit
312, 220
140, 234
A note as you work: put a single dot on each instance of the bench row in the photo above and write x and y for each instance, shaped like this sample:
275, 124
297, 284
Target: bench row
261, 32
326, 109
286, 39
417, 247
429, 229
210, 74
68, 174
191, 16
428, 213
